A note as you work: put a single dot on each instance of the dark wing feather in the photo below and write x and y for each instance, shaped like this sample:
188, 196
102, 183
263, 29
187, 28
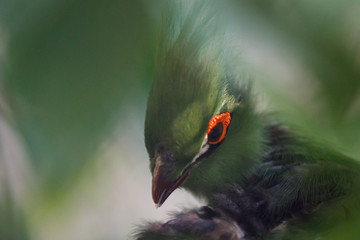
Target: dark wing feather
201, 224
296, 180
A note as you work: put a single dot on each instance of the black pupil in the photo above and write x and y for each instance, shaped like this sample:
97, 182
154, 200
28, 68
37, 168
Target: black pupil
216, 132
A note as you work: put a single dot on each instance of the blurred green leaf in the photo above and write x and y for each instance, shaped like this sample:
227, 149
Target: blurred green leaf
69, 69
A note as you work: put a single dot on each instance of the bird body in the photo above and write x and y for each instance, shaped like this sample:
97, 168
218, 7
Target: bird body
203, 132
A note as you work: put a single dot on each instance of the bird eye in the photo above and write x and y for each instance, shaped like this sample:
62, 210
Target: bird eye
217, 128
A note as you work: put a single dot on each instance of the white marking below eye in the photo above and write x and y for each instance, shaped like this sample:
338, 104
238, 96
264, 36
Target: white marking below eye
222, 104
204, 147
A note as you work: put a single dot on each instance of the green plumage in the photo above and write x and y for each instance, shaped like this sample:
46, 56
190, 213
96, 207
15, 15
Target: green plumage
180, 102
192, 84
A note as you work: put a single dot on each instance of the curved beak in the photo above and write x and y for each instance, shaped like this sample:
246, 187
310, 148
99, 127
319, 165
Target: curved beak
162, 187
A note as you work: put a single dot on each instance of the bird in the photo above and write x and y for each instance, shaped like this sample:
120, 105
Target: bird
261, 179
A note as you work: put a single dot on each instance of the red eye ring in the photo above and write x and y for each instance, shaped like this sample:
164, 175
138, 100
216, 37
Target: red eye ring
224, 118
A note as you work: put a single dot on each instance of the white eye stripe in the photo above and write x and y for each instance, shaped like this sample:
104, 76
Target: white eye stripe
203, 149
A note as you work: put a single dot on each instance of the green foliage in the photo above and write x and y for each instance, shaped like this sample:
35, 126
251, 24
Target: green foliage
68, 69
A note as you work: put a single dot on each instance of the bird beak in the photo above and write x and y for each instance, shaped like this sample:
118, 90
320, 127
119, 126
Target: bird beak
161, 187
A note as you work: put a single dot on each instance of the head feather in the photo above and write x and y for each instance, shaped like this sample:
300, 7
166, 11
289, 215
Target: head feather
189, 84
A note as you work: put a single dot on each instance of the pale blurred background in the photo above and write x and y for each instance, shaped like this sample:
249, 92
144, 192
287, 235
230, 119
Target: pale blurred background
74, 79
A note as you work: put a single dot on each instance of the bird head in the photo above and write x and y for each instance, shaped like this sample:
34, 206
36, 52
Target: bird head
201, 129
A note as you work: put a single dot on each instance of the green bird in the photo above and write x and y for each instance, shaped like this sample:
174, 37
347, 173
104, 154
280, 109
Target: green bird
204, 133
